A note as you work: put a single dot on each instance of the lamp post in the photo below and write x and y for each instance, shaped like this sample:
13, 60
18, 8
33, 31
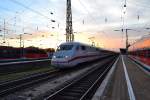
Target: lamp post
148, 28
21, 39
24, 43
1, 36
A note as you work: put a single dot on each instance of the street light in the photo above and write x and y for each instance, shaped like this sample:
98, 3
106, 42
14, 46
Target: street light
51, 35
22, 40
27, 33
1, 36
119, 30
53, 21
147, 28
51, 13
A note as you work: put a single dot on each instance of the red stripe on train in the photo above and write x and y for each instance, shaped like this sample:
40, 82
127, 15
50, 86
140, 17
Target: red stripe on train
75, 58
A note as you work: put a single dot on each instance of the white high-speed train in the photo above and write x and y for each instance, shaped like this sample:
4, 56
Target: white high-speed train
73, 53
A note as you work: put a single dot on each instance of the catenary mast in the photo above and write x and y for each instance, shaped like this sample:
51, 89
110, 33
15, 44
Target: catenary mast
69, 30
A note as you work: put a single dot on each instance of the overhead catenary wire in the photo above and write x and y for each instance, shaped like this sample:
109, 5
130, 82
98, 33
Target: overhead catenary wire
29, 8
88, 11
35, 11
140, 4
11, 25
94, 20
6, 9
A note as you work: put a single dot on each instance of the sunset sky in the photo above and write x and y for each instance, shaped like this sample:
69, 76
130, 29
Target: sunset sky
91, 18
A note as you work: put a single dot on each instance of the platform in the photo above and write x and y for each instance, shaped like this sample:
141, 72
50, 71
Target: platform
127, 82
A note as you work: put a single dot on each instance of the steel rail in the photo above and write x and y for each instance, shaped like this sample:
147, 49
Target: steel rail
80, 88
9, 87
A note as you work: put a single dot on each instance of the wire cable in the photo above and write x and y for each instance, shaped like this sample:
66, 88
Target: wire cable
18, 3
88, 11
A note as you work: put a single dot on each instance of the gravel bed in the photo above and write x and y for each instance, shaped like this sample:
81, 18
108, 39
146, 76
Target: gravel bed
40, 90
19, 75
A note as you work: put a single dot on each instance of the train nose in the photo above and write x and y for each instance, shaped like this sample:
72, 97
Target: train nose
60, 63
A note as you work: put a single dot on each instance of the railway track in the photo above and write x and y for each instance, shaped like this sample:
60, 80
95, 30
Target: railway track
84, 87
12, 86
16, 85
22, 60
18, 66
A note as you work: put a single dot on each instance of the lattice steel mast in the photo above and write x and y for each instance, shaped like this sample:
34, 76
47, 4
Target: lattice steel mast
69, 30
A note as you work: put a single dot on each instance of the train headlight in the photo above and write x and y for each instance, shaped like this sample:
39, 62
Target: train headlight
54, 56
66, 56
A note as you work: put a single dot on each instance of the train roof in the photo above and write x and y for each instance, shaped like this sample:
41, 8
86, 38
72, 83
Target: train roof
79, 43
76, 43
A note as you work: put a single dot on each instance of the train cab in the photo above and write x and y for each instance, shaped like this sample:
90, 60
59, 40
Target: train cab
73, 53
63, 55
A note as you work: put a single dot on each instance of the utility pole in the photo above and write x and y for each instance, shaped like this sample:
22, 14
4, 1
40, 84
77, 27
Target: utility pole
127, 43
4, 41
69, 30
21, 53
20, 38
126, 39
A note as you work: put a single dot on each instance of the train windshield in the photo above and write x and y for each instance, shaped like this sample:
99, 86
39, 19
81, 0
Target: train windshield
64, 47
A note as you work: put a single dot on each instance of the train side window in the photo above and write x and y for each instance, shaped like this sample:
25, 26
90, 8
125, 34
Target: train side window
77, 48
82, 47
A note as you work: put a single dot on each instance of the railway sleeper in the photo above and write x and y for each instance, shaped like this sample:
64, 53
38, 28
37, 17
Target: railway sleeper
64, 97
76, 90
